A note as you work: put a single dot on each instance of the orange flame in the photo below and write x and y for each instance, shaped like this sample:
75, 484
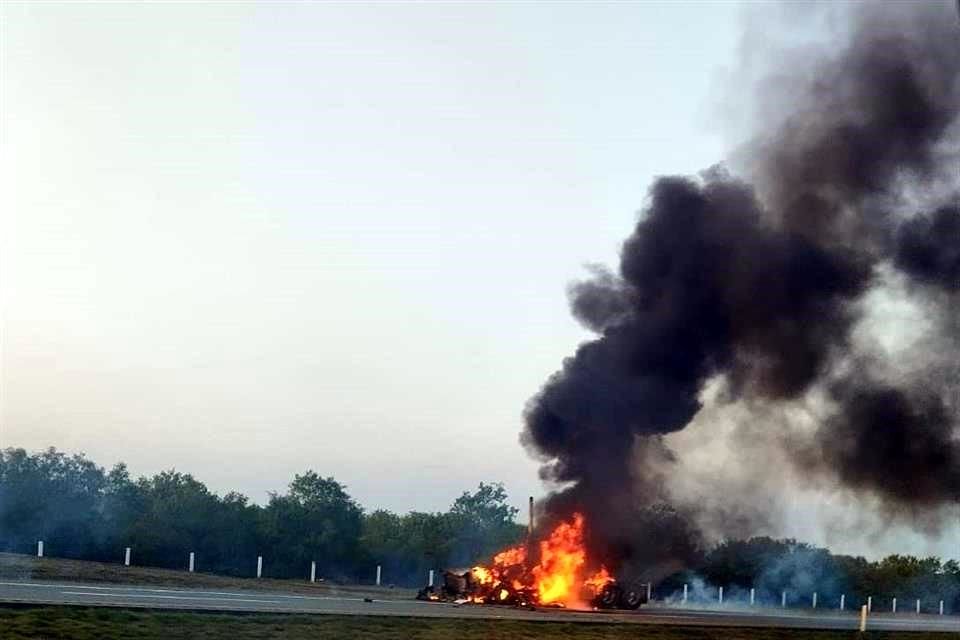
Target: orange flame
599, 579
510, 557
557, 579
483, 575
562, 556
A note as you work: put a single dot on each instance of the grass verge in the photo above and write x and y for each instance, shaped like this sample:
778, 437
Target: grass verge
89, 623
22, 567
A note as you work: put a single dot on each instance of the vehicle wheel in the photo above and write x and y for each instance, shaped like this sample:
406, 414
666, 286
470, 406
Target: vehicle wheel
609, 596
632, 597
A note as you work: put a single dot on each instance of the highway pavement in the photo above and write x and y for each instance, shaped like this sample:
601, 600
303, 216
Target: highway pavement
100, 595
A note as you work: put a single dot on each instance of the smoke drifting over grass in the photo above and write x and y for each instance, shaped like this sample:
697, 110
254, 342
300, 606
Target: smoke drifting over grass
758, 283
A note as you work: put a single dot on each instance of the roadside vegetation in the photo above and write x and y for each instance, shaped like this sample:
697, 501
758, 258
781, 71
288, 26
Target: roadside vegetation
84, 512
79, 623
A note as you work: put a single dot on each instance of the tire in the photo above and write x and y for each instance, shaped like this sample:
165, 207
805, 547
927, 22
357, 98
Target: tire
632, 596
609, 596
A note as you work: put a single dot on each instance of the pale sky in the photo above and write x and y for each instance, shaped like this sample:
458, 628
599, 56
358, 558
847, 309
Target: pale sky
244, 240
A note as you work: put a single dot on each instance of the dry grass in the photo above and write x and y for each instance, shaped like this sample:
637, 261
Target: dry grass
84, 623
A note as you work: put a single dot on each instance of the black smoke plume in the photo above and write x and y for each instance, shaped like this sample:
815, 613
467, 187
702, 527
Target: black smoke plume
928, 250
760, 280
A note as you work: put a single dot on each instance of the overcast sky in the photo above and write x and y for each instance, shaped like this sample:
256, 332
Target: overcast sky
244, 240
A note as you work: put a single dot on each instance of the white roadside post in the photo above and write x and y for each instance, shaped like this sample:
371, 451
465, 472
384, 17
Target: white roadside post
191, 562
378, 575
814, 599
313, 571
783, 599
894, 606
918, 606
843, 600
649, 591
869, 604
752, 596
863, 618
941, 607
126, 557
39, 548
430, 578
720, 596
684, 593
259, 566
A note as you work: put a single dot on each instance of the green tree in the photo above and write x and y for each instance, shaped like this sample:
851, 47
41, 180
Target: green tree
53, 497
175, 521
483, 523
316, 521
381, 540
122, 505
428, 540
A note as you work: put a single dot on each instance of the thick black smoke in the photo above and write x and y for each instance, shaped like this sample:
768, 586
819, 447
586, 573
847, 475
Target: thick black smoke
764, 286
895, 442
928, 250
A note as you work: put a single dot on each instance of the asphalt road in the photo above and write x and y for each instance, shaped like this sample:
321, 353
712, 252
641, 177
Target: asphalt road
269, 601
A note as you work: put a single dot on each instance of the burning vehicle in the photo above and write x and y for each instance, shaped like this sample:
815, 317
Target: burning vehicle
555, 572
760, 286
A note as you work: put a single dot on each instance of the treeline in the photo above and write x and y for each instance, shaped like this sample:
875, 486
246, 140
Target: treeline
82, 511
777, 567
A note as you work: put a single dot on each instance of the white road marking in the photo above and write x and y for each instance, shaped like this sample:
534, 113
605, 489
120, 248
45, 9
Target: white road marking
137, 596
188, 591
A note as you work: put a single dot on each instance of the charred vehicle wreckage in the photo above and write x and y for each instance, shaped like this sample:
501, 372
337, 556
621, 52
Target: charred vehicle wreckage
559, 576
467, 587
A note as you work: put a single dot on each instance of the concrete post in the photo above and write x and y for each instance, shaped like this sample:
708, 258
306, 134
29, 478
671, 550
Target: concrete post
918, 606
649, 591
894, 606
685, 594
313, 571
378, 575
259, 566
753, 599
720, 596
863, 618
869, 604
191, 562
941, 607
843, 600
39, 548
783, 599
814, 599
126, 557
430, 582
